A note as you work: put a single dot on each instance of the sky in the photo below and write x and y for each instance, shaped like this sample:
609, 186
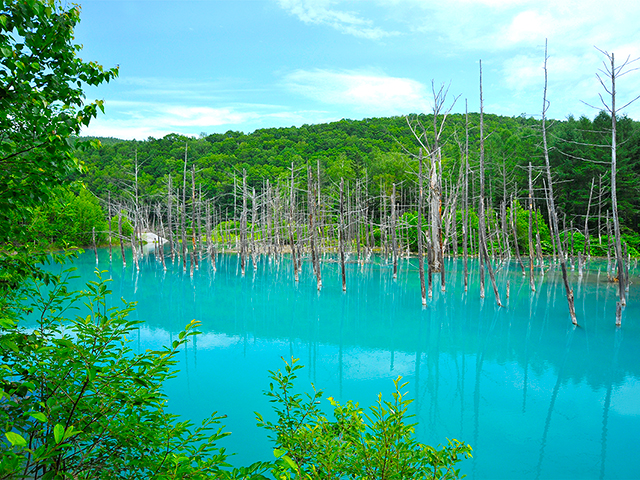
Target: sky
209, 66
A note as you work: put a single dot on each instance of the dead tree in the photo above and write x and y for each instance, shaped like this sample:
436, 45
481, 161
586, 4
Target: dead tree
109, 216
291, 227
341, 237
124, 259
552, 209
532, 284
611, 72
482, 231
312, 229
183, 213
433, 149
243, 223
419, 231
465, 222
394, 233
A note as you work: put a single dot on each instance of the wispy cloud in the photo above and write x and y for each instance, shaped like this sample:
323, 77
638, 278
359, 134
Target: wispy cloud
370, 93
323, 12
141, 120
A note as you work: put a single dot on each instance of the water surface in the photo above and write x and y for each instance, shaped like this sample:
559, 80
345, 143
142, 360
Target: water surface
534, 396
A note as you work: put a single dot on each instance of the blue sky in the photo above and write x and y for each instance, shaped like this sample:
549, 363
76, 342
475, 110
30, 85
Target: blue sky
209, 66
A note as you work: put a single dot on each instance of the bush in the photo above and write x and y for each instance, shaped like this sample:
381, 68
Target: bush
78, 402
358, 445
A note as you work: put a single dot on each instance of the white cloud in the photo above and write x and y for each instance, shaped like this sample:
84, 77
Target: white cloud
321, 12
369, 93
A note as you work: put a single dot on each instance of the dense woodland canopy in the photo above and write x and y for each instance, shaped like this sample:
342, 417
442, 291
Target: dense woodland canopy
371, 155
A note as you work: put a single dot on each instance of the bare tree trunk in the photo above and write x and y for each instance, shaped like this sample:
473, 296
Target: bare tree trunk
291, 226
211, 249
341, 236
194, 224
465, 223
184, 212
538, 243
110, 235
312, 230
482, 241
133, 250
394, 235
170, 220
160, 241
586, 252
95, 248
124, 259
254, 217
554, 252
243, 223
532, 284
552, 210
514, 229
419, 231
614, 194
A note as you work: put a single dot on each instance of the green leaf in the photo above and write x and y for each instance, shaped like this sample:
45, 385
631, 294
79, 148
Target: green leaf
38, 416
15, 439
70, 432
58, 433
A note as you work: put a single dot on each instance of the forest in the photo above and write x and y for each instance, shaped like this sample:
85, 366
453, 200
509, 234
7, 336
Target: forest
370, 156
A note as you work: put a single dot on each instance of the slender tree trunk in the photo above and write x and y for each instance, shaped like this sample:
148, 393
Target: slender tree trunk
183, 213
341, 236
532, 284
110, 236
514, 229
312, 230
394, 234
195, 223
552, 210
482, 241
124, 259
419, 231
614, 195
243, 223
291, 227
586, 252
465, 223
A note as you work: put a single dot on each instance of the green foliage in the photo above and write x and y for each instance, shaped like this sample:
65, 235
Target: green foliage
68, 219
354, 444
522, 228
41, 104
77, 401
407, 229
127, 228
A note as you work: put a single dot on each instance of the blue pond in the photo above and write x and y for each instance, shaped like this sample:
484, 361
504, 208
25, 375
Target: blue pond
534, 396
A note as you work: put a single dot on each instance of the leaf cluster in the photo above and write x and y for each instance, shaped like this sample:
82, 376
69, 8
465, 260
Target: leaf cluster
378, 443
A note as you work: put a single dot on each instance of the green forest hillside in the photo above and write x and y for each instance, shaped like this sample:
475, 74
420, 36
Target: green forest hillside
370, 155
380, 152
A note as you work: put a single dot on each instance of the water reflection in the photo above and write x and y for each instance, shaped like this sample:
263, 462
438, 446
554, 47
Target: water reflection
534, 396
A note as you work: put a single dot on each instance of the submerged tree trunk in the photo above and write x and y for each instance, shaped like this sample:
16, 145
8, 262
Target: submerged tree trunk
243, 224
419, 230
124, 259
465, 222
291, 227
394, 236
110, 235
312, 229
482, 240
341, 237
552, 209
532, 284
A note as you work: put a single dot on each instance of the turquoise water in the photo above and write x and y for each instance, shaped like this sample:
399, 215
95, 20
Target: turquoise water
535, 397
